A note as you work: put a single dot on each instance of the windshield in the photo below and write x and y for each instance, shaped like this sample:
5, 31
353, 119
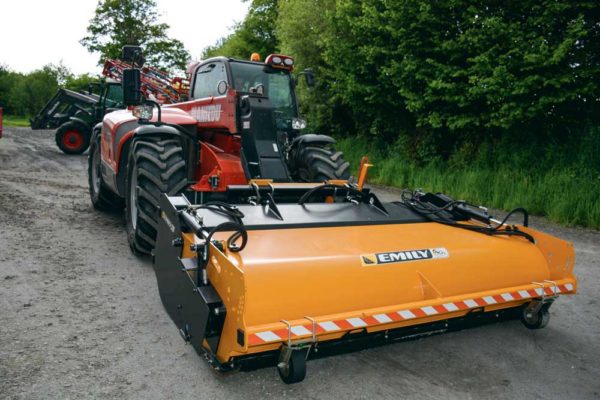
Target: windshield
277, 87
114, 96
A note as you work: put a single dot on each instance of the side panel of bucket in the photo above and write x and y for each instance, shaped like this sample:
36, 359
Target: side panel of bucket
559, 254
228, 281
196, 310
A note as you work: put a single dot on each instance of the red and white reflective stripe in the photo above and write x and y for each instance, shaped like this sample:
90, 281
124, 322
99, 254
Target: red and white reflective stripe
305, 330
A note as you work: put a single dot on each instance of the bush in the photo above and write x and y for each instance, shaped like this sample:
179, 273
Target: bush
26, 94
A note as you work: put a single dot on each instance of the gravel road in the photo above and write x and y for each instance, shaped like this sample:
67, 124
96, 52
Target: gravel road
80, 316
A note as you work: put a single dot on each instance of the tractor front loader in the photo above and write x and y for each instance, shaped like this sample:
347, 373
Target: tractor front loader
74, 114
266, 254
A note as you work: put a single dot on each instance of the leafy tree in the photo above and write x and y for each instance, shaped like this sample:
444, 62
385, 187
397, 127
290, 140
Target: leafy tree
256, 33
437, 78
304, 31
25, 94
60, 72
80, 83
30, 92
468, 68
117, 23
7, 80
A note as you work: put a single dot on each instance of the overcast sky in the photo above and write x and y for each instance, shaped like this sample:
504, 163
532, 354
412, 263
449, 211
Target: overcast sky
34, 33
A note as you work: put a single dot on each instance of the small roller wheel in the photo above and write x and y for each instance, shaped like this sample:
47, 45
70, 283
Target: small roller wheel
294, 370
535, 320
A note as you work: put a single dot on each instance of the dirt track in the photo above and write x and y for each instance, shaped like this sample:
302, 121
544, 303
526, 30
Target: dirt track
80, 317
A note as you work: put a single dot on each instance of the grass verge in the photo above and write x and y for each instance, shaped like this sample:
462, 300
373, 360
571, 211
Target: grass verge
563, 193
13, 120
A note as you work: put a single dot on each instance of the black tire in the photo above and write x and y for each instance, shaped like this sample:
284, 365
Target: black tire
296, 369
102, 197
316, 163
155, 166
537, 320
72, 138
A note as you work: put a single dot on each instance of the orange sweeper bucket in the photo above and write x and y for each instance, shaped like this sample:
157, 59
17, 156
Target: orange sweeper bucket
324, 273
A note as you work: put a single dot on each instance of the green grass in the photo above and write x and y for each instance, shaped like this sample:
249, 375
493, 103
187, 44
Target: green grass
13, 120
564, 194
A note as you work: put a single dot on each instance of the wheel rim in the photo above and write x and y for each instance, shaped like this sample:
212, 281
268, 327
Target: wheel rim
295, 369
133, 199
284, 370
96, 170
72, 140
532, 318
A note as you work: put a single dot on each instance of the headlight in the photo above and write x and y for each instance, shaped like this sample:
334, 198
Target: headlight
143, 112
276, 60
298, 123
288, 62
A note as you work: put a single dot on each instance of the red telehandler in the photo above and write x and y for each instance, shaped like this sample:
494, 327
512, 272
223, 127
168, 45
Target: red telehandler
241, 123
266, 254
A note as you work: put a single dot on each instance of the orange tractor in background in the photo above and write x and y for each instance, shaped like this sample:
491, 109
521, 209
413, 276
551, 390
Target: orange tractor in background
267, 254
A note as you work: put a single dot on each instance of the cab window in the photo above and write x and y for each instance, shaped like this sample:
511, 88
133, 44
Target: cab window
208, 78
276, 84
114, 96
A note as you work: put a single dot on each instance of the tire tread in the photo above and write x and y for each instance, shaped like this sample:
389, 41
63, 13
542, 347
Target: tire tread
315, 163
161, 168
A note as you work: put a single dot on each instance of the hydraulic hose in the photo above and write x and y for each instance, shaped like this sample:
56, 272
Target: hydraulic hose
433, 213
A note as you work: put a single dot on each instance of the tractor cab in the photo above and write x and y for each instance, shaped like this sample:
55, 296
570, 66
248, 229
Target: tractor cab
112, 96
109, 95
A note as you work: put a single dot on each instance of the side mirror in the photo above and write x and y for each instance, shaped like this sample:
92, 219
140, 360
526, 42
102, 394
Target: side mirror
133, 54
310, 77
132, 95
